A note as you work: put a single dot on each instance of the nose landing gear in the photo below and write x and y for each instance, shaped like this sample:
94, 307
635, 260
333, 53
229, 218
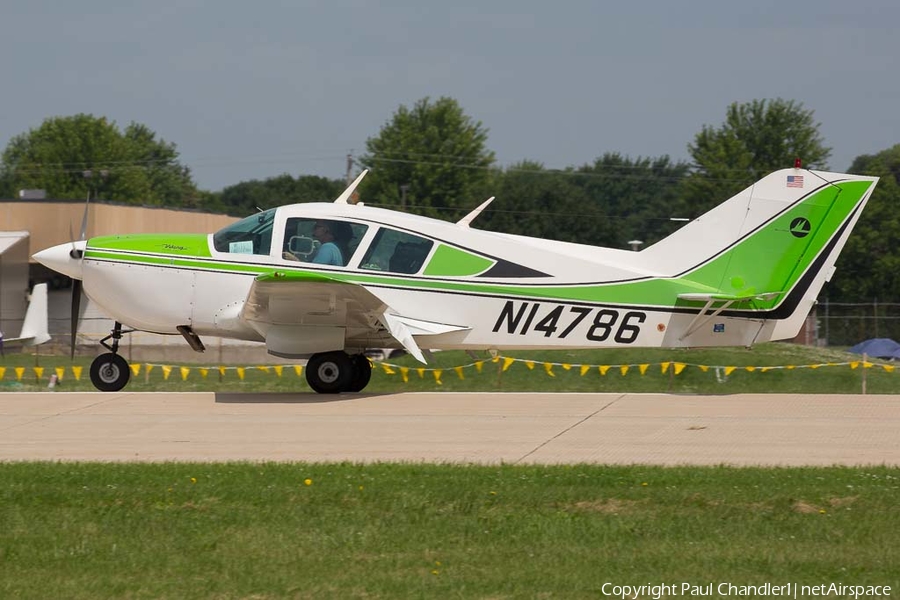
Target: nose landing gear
110, 372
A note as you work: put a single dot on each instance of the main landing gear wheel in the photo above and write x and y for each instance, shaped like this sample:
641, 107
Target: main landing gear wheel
110, 372
330, 372
362, 373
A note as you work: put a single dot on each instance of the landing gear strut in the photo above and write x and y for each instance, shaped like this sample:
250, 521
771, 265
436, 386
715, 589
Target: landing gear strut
335, 372
109, 371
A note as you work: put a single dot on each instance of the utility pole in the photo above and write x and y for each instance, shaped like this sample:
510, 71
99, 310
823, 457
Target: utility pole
403, 189
349, 169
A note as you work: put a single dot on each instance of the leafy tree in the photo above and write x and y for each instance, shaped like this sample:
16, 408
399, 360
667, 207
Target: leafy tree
542, 203
757, 137
608, 203
73, 156
430, 158
639, 197
247, 196
869, 266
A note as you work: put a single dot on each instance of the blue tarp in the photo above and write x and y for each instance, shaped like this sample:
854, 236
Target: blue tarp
877, 348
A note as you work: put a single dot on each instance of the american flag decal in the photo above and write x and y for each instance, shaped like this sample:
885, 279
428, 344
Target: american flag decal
795, 181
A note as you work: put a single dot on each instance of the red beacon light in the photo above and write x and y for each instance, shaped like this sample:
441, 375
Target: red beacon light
798, 163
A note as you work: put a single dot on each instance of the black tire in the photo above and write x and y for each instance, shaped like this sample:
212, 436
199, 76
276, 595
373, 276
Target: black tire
110, 372
362, 373
329, 372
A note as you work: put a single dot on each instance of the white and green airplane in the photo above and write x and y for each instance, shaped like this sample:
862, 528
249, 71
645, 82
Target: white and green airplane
747, 271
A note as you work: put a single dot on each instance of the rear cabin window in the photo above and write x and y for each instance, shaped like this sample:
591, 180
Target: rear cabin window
252, 235
321, 241
396, 252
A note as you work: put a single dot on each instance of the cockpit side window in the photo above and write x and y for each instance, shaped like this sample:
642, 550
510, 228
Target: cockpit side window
252, 235
321, 241
396, 252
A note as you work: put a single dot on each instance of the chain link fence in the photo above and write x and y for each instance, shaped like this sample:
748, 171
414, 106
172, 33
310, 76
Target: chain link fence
847, 324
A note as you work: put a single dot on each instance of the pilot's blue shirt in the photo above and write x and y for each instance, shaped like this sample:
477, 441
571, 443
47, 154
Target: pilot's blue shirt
329, 254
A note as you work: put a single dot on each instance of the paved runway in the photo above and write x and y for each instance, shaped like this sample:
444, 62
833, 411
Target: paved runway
449, 427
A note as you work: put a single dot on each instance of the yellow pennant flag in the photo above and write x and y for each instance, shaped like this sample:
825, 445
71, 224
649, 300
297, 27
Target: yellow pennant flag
387, 369
495, 358
749, 369
529, 364
459, 372
507, 362
241, 371
790, 367
888, 368
665, 367
704, 368
437, 376
184, 373
298, 369
479, 365
147, 372
2, 372
603, 369
549, 368
60, 373
868, 365
204, 372
853, 365
39, 372
404, 373
624, 369
135, 369
421, 372
167, 370
20, 371
222, 371
278, 370
729, 370
585, 369
643, 368
814, 366
566, 366
263, 368
679, 367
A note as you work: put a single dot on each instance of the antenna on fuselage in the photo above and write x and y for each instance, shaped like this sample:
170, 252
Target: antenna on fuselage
342, 199
464, 222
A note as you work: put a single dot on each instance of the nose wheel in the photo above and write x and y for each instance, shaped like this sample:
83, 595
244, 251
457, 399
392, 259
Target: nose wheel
110, 372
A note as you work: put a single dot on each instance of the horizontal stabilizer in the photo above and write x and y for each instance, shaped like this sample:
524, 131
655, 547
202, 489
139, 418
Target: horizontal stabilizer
693, 297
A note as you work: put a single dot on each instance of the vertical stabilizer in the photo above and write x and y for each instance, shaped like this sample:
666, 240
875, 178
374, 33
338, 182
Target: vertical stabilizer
35, 326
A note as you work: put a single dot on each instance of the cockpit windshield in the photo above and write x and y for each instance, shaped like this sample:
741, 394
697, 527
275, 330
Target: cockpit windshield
252, 235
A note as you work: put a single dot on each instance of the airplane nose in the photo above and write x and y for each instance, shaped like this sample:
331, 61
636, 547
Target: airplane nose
65, 258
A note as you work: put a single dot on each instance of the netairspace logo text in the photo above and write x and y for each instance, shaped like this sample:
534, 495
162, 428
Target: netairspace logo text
786, 590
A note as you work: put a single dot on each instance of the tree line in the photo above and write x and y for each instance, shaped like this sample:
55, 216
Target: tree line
433, 159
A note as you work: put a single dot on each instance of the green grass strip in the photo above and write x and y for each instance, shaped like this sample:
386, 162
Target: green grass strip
241, 530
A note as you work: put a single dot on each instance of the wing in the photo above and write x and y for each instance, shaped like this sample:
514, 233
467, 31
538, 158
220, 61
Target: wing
300, 314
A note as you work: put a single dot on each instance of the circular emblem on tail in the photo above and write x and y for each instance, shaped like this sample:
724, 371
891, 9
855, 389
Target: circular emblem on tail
800, 227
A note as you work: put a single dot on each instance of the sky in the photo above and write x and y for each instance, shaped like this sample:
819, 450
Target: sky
250, 90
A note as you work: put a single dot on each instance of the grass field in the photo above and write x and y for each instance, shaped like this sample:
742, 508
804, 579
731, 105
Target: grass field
435, 531
704, 371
